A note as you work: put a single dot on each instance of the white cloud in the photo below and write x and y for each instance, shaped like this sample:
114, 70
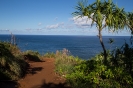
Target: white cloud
39, 24
39, 29
54, 26
83, 22
4, 29
28, 28
69, 26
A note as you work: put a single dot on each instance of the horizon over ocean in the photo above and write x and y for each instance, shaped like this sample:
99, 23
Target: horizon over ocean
84, 47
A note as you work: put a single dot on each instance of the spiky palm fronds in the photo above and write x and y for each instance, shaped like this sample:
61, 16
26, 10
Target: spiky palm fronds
130, 21
103, 11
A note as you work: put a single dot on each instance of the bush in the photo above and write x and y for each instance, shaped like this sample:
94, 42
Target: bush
64, 62
49, 55
12, 64
32, 56
94, 73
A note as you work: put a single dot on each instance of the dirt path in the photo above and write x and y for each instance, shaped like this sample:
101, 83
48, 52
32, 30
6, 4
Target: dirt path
42, 75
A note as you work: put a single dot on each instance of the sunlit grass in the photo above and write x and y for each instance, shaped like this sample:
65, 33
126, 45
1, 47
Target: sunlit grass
64, 62
49, 55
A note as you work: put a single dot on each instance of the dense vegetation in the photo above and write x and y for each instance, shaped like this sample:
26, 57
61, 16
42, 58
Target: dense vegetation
94, 73
104, 14
65, 62
13, 62
109, 69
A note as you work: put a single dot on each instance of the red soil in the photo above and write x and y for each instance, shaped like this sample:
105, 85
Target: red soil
42, 75
39, 75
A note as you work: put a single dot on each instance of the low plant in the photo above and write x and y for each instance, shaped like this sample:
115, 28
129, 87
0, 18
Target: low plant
49, 55
32, 56
94, 73
64, 62
12, 64
117, 72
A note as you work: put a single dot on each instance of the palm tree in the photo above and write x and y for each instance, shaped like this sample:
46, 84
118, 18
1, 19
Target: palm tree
99, 12
130, 21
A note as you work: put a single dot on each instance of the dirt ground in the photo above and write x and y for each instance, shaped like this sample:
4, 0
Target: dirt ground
40, 75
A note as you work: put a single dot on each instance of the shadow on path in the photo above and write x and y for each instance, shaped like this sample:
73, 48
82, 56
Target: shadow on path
9, 84
52, 85
34, 70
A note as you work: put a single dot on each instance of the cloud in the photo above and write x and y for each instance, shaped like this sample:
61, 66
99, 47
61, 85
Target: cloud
28, 28
69, 26
83, 22
34, 29
54, 26
39, 24
4, 29
56, 18
39, 29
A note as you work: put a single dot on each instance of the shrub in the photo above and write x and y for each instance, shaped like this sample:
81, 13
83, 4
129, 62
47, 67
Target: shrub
32, 56
49, 55
95, 74
12, 65
64, 62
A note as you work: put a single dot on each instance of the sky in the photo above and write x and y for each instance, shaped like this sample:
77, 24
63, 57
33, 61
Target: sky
49, 17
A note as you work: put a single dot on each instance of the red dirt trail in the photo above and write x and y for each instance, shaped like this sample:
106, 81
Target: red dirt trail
42, 75
39, 75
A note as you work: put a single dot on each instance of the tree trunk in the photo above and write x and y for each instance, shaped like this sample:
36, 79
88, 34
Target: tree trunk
102, 44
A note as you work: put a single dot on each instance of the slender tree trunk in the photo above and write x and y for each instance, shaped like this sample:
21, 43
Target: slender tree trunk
102, 44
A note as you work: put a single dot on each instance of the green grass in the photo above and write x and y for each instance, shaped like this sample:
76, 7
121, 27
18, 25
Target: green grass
49, 55
64, 62
32, 56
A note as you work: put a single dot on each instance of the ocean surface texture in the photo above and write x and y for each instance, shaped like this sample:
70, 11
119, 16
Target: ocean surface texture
84, 47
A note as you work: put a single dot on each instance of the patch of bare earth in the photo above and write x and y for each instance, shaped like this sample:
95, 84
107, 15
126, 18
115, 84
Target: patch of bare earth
39, 75
42, 75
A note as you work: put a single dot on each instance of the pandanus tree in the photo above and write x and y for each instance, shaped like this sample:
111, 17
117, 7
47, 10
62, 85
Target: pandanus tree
130, 21
104, 14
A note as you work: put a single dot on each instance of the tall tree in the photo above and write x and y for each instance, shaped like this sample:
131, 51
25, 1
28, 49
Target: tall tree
130, 21
103, 14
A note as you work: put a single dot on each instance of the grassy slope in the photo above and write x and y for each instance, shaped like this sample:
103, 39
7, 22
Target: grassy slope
13, 62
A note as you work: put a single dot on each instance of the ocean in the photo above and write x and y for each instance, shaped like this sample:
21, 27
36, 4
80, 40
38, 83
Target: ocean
84, 47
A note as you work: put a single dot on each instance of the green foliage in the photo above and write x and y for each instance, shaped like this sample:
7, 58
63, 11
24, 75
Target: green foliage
105, 14
108, 69
32, 56
32, 52
130, 21
12, 65
65, 62
94, 73
49, 55
124, 57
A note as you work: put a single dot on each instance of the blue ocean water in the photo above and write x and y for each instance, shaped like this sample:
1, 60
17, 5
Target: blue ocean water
84, 47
